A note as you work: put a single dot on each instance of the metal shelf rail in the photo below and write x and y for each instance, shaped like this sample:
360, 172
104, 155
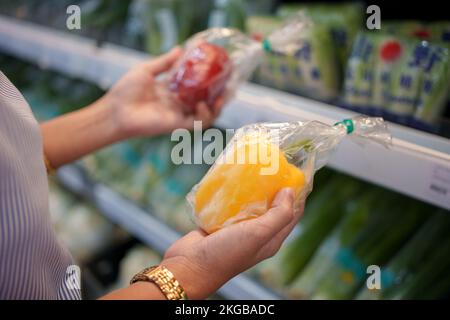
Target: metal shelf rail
417, 164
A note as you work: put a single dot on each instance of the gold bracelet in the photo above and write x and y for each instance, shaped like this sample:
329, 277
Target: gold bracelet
164, 279
48, 166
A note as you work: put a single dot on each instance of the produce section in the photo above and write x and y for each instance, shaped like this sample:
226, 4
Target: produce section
371, 206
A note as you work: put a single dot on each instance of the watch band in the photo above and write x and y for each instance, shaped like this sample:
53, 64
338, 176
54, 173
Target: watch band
164, 279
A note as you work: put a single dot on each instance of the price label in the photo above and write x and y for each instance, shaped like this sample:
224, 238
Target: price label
438, 187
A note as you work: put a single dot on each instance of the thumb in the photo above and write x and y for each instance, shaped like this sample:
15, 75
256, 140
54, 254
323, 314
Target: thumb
283, 197
165, 61
281, 213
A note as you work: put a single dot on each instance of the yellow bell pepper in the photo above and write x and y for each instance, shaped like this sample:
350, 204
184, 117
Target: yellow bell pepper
242, 184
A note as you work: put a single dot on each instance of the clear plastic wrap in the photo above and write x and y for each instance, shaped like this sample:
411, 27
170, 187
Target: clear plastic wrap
217, 60
263, 158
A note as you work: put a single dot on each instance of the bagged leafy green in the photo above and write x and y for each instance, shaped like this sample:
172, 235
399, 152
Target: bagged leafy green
359, 75
389, 52
342, 20
311, 70
405, 82
434, 90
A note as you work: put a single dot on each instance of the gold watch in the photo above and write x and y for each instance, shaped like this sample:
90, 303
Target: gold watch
164, 279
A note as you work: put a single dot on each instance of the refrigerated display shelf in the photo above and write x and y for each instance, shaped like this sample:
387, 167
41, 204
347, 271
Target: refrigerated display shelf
417, 164
145, 227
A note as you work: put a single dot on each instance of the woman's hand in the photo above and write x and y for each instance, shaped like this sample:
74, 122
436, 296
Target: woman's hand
141, 106
137, 105
203, 263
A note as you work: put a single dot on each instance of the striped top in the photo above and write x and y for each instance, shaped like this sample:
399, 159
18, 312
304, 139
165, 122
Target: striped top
33, 264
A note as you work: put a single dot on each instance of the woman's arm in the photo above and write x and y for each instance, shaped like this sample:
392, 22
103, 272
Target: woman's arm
203, 263
71, 136
138, 291
137, 105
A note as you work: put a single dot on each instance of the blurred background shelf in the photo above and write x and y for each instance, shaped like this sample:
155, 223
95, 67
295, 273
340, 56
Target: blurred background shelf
147, 228
417, 164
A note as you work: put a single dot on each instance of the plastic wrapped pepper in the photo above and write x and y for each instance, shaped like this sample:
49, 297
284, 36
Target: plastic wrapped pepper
263, 158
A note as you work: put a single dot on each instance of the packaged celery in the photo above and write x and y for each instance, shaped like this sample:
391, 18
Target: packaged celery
406, 79
359, 74
357, 214
343, 21
434, 89
309, 70
390, 51
259, 27
322, 212
263, 158
410, 259
373, 245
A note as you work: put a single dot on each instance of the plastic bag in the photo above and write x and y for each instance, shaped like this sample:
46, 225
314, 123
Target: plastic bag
263, 158
310, 69
217, 60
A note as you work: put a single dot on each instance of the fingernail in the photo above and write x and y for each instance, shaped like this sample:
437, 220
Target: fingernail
289, 192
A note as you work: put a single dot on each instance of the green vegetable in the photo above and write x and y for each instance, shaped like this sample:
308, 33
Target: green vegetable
357, 215
311, 71
383, 68
341, 20
432, 280
401, 269
406, 79
434, 90
374, 245
323, 210
359, 75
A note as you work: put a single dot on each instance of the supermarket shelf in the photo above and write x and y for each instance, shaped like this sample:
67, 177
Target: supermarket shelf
417, 164
147, 228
